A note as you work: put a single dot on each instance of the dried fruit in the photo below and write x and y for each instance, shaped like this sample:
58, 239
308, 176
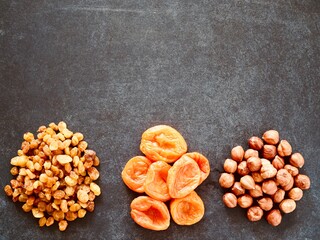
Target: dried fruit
203, 164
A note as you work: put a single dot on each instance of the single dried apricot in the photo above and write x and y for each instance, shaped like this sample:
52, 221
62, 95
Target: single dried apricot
134, 173
163, 143
203, 164
150, 213
155, 184
188, 210
183, 177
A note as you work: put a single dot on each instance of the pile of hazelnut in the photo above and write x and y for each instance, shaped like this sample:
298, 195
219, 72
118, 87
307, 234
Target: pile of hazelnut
264, 178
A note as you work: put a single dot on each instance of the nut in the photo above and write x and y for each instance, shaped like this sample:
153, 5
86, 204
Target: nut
237, 153
243, 168
254, 213
283, 177
269, 151
257, 177
265, 161
237, 189
271, 137
254, 164
292, 170
230, 200
269, 187
295, 194
302, 181
265, 203
268, 171
230, 165
287, 205
274, 217
284, 148
289, 186
247, 182
245, 201
250, 153
257, 192
297, 160
279, 195
255, 143
278, 162
226, 180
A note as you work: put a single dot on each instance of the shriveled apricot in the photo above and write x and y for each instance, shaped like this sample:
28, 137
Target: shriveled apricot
203, 164
188, 210
150, 213
135, 172
155, 184
183, 177
163, 143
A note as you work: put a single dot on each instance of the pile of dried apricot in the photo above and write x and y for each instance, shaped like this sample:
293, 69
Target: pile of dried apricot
152, 174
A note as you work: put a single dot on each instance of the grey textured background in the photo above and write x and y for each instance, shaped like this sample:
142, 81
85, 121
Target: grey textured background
218, 71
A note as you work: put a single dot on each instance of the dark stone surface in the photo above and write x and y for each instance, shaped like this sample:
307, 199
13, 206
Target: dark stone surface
218, 71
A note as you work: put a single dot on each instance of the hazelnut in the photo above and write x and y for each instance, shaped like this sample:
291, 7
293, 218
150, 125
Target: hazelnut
237, 153
230, 200
243, 168
256, 192
268, 171
302, 181
269, 187
278, 162
237, 189
265, 203
289, 185
250, 153
269, 151
254, 164
245, 201
274, 217
247, 182
283, 177
230, 165
295, 194
287, 205
254, 213
279, 195
226, 180
271, 137
284, 148
292, 170
257, 177
265, 161
255, 143
297, 160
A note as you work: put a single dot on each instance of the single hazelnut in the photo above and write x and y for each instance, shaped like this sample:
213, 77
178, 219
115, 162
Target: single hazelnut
289, 185
265, 161
237, 153
243, 168
269, 151
292, 170
254, 164
247, 182
269, 187
265, 203
256, 192
250, 153
255, 143
302, 181
237, 189
226, 180
284, 148
283, 177
287, 205
254, 213
271, 137
257, 177
295, 194
268, 171
297, 160
278, 162
230, 200
279, 195
245, 201
274, 217
230, 165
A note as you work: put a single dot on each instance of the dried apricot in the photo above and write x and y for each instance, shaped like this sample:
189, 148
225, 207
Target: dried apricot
150, 213
135, 172
163, 143
188, 210
203, 164
155, 184
183, 177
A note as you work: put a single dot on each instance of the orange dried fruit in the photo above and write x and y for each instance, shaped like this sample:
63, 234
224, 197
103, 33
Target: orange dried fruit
163, 143
183, 177
203, 164
150, 213
135, 172
155, 184
188, 210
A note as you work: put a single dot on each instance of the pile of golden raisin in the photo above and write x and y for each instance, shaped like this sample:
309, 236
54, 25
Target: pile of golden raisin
54, 175
152, 174
264, 178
